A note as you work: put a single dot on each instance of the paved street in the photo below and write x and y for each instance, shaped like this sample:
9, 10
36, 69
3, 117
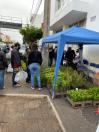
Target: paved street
27, 114
37, 114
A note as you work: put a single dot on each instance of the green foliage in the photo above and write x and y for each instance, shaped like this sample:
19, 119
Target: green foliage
94, 91
0, 39
96, 97
31, 34
79, 95
43, 79
83, 95
67, 77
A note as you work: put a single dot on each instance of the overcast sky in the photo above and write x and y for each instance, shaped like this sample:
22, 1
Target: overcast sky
20, 9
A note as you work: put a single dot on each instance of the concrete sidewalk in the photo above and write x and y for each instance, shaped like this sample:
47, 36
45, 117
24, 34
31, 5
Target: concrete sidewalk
74, 120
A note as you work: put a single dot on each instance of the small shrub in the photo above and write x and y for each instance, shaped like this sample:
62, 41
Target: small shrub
67, 77
79, 95
83, 95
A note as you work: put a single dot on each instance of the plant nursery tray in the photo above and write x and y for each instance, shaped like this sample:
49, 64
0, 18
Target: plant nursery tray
79, 104
96, 103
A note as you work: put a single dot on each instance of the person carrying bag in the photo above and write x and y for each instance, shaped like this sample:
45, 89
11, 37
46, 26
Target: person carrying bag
15, 63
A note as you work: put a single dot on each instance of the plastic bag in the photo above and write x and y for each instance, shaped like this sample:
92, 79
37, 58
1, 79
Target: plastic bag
9, 69
21, 76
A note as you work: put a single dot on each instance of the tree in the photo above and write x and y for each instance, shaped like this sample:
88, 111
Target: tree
31, 34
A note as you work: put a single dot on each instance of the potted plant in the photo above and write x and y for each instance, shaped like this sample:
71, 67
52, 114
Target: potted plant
94, 91
79, 98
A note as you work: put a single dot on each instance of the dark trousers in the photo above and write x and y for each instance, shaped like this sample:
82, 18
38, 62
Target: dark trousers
13, 77
50, 62
29, 76
2, 79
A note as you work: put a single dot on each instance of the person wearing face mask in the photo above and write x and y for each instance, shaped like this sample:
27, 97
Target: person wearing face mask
15, 62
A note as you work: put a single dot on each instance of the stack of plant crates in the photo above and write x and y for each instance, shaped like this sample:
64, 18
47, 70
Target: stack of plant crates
83, 98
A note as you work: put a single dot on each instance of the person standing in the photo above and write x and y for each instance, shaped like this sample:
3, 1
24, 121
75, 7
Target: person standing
77, 59
3, 66
34, 62
51, 56
55, 54
81, 53
15, 62
69, 56
28, 51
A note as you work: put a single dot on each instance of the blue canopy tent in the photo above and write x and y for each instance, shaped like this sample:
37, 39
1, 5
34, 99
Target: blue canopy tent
73, 35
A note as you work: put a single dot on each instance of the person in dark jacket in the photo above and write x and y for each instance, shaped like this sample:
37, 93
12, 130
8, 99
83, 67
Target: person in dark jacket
51, 56
34, 62
70, 55
3, 66
15, 62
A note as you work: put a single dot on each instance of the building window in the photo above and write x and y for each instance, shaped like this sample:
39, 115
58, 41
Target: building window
93, 18
58, 4
81, 23
62, 2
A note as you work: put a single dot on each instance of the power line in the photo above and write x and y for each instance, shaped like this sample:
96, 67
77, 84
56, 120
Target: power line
32, 8
36, 10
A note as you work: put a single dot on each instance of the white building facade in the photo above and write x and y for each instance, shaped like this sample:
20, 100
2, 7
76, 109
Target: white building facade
37, 20
67, 13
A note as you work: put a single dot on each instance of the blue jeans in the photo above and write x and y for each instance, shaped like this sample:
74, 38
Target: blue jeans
35, 71
1, 79
13, 77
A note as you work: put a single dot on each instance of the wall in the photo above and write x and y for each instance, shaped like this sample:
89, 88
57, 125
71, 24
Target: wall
91, 52
38, 20
66, 9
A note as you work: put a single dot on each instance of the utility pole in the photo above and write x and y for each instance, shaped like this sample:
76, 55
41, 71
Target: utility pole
47, 4
46, 29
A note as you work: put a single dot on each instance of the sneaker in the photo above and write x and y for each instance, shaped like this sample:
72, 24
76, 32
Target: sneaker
39, 89
32, 88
